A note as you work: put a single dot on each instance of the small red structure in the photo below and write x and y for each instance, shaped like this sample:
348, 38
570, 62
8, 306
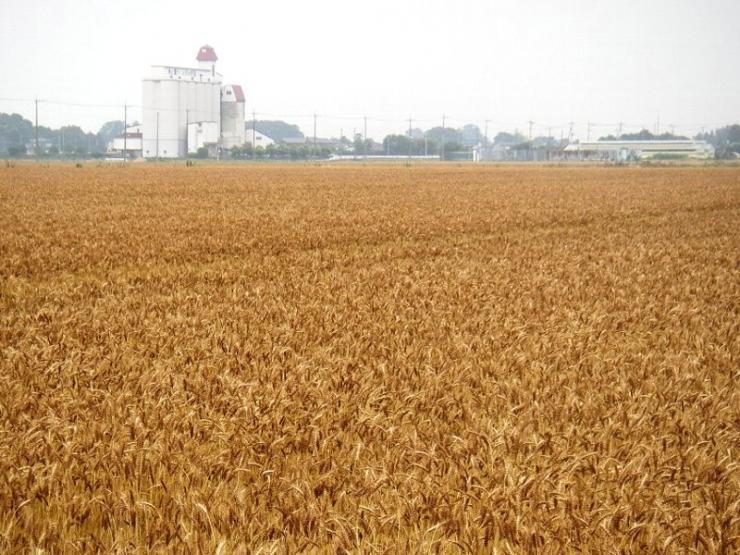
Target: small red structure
207, 54
238, 93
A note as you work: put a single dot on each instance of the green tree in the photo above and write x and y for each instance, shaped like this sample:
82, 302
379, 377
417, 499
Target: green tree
74, 140
446, 135
396, 144
16, 151
470, 135
725, 140
15, 130
504, 138
360, 147
109, 130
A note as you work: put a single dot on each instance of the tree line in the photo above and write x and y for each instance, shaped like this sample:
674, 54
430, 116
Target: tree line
18, 135
18, 138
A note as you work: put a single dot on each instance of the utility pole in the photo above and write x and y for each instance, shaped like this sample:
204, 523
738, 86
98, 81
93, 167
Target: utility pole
187, 131
442, 145
125, 131
36, 102
157, 137
364, 137
619, 136
486, 133
530, 122
570, 132
254, 135
588, 132
314, 130
410, 139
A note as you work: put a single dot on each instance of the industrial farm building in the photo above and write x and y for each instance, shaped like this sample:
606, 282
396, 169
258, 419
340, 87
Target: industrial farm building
128, 143
640, 150
257, 138
186, 109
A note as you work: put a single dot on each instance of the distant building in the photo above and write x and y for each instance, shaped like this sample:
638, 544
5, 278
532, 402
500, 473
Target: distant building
131, 140
255, 138
640, 150
294, 141
44, 146
525, 152
176, 97
203, 134
232, 116
310, 141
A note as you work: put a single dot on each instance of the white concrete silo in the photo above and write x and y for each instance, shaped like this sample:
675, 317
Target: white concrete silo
232, 116
175, 96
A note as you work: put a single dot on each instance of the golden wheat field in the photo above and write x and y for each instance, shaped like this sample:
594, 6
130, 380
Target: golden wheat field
273, 359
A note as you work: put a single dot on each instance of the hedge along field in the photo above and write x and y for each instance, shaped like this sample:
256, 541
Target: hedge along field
369, 359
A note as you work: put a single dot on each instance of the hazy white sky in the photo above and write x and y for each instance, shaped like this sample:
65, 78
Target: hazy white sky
507, 61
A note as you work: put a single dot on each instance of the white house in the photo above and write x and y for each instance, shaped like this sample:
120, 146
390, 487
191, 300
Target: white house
255, 138
203, 134
131, 140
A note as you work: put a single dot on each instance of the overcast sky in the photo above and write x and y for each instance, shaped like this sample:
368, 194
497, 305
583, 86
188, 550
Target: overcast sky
507, 61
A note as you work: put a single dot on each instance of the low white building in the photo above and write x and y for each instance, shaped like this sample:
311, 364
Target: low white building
255, 138
203, 134
131, 141
641, 150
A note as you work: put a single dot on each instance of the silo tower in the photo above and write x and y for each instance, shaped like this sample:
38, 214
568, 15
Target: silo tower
176, 98
232, 116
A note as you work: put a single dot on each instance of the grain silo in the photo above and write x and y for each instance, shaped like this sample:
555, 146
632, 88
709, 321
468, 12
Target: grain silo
232, 116
174, 97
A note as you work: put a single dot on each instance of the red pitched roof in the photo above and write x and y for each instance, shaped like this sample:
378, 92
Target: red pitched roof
238, 93
207, 54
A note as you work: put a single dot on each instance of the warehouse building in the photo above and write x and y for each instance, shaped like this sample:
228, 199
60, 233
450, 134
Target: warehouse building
622, 151
256, 138
189, 108
126, 144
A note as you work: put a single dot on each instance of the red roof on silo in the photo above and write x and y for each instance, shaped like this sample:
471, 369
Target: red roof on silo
207, 54
238, 93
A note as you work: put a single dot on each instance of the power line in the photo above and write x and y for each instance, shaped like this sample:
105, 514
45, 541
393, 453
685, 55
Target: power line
125, 132
36, 122
686, 128
410, 131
